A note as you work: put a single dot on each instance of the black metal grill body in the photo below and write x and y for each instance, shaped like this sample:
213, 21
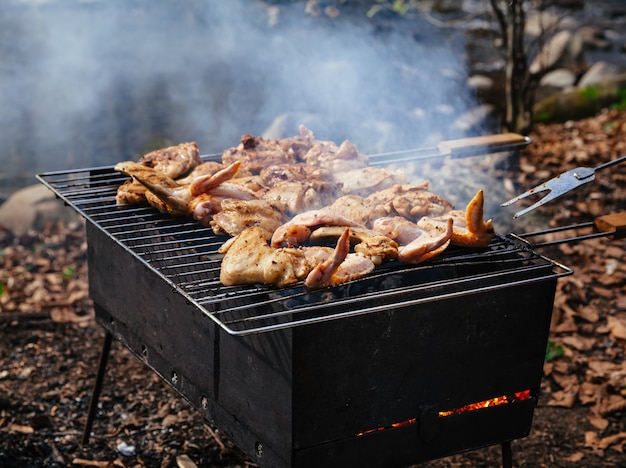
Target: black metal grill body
349, 376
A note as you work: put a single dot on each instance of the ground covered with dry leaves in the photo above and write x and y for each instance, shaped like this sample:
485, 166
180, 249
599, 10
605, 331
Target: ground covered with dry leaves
49, 342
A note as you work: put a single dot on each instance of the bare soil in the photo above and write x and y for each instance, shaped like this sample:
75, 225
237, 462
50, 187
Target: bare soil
50, 343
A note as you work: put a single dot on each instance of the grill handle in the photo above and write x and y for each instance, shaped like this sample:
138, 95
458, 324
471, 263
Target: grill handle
612, 226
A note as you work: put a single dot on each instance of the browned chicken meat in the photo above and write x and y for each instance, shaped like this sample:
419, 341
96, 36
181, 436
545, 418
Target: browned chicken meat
470, 228
236, 215
411, 201
335, 158
299, 172
131, 192
249, 259
280, 199
174, 161
302, 196
255, 153
365, 180
175, 198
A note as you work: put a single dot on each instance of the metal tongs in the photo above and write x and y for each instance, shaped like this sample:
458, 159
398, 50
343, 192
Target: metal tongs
561, 184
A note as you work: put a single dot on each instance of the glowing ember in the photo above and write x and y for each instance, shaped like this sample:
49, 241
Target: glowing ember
394, 425
501, 400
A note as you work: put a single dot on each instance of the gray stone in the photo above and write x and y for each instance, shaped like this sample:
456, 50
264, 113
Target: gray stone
597, 73
552, 52
480, 82
31, 208
560, 78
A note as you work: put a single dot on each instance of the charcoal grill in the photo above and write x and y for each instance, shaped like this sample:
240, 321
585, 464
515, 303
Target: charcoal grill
382, 371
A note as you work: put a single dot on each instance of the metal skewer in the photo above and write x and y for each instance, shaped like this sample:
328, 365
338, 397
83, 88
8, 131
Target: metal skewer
561, 184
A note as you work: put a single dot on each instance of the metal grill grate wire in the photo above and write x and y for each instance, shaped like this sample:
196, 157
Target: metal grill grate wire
185, 254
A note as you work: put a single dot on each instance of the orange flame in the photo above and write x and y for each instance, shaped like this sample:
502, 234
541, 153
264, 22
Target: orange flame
398, 424
501, 400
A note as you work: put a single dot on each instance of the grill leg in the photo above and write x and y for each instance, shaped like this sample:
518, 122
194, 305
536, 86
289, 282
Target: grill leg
507, 456
97, 387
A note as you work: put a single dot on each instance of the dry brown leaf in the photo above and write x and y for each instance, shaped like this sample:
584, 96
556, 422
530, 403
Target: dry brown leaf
578, 342
610, 404
96, 463
589, 393
597, 368
598, 422
617, 327
575, 457
591, 440
566, 382
606, 293
590, 314
567, 325
170, 420
21, 429
183, 461
606, 442
564, 398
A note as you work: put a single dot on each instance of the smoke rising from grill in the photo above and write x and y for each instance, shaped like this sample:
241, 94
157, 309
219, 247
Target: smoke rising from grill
92, 83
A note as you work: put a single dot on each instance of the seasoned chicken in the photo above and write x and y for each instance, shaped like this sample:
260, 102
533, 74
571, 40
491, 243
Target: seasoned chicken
335, 158
416, 244
209, 167
411, 201
358, 209
236, 215
341, 266
174, 161
176, 197
298, 229
257, 153
378, 248
302, 196
250, 260
299, 172
363, 181
279, 197
131, 192
470, 228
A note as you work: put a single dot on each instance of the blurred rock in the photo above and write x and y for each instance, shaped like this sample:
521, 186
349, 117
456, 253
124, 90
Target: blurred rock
560, 78
31, 208
597, 73
552, 53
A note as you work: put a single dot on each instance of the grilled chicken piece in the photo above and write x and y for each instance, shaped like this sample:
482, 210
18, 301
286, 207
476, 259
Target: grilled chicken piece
340, 266
365, 180
298, 229
209, 167
426, 246
302, 196
131, 192
470, 228
416, 244
254, 154
368, 242
250, 260
299, 172
236, 215
411, 201
335, 158
176, 197
358, 209
300, 143
174, 161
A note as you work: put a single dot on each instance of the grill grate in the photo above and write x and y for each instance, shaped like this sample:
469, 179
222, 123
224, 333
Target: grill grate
185, 255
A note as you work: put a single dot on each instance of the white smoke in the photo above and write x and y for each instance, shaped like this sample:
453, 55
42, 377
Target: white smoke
92, 83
